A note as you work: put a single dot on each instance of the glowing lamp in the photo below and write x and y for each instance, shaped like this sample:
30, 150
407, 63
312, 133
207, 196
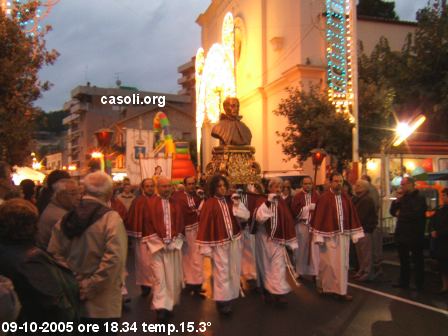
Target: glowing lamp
104, 137
404, 130
371, 165
37, 165
96, 155
318, 156
410, 166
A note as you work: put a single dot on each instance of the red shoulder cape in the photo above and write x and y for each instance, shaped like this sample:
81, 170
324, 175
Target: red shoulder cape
298, 202
325, 221
155, 224
138, 213
188, 206
212, 226
284, 232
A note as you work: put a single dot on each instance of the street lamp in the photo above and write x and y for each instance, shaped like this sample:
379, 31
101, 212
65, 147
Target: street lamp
96, 155
404, 129
318, 155
72, 167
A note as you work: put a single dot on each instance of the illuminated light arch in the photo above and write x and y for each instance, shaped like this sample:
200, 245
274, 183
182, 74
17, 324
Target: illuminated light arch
228, 40
339, 55
215, 77
200, 109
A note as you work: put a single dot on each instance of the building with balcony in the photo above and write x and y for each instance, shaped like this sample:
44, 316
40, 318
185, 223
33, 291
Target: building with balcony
187, 79
88, 114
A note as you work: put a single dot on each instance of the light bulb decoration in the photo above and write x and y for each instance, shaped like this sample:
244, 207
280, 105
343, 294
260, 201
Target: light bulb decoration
338, 55
18, 10
215, 77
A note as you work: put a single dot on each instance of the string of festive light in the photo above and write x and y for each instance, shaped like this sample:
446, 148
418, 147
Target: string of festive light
339, 51
31, 26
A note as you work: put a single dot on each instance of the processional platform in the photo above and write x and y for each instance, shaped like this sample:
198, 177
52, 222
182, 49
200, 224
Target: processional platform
237, 163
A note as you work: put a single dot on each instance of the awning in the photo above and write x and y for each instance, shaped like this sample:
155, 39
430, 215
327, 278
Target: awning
436, 176
23, 173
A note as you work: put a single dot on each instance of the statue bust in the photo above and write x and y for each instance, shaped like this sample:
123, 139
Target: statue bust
230, 130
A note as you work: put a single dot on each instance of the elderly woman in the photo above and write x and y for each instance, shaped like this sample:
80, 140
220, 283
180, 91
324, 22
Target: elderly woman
46, 290
439, 232
274, 231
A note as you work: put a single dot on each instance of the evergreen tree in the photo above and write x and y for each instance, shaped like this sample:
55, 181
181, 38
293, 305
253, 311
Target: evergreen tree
418, 74
313, 123
21, 57
377, 8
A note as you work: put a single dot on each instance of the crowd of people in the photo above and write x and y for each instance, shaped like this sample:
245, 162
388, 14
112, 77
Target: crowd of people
63, 252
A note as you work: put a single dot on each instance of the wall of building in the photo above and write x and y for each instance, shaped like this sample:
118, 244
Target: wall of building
370, 31
283, 45
88, 115
181, 125
54, 161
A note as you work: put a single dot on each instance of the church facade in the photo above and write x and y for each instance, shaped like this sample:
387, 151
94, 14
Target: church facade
280, 44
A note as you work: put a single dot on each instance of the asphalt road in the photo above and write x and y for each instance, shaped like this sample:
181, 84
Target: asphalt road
377, 310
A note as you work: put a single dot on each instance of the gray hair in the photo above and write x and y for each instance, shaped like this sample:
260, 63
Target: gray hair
365, 184
98, 184
275, 180
62, 184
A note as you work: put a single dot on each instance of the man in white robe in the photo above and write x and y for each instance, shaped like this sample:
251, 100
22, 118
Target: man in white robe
192, 260
248, 263
165, 239
334, 223
303, 205
137, 215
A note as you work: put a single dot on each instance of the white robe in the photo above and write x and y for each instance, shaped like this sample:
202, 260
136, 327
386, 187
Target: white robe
248, 267
334, 256
334, 263
143, 272
226, 262
303, 267
192, 260
166, 266
270, 257
271, 264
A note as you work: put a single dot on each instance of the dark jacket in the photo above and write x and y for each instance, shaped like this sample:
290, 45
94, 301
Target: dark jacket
47, 291
410, 211
365, 206
439, 223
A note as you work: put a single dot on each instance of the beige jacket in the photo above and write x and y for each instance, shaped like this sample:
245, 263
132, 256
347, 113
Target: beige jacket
98, 259
51, 215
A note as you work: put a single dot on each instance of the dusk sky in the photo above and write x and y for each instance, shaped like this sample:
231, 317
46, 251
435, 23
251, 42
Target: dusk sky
140, 41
